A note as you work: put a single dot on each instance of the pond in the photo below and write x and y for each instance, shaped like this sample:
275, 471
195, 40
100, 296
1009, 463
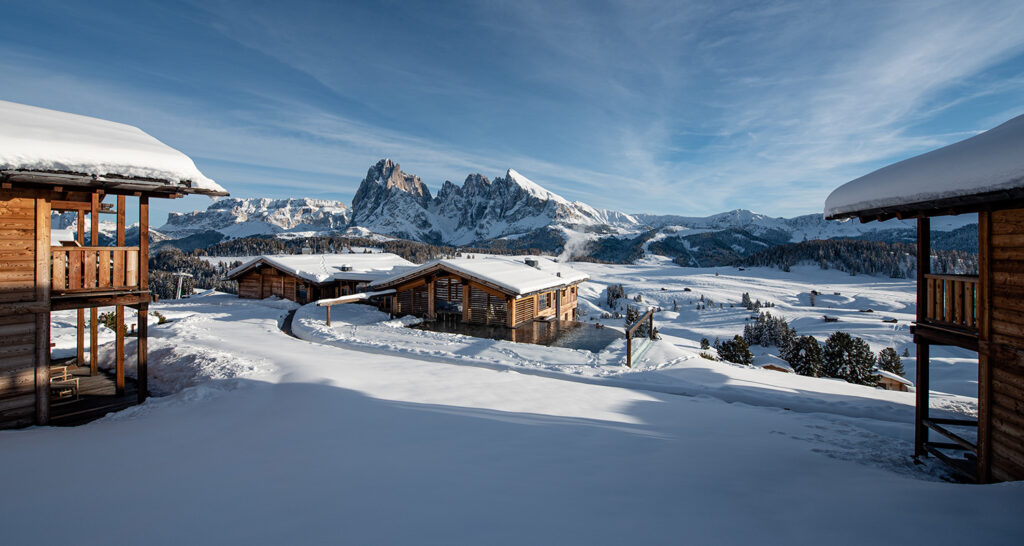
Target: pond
555, 333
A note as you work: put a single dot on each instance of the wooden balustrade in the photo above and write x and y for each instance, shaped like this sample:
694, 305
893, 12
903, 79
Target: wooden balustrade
953, 300
95, 268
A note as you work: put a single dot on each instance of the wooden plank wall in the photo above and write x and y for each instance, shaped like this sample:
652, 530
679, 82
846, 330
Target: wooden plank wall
1001, 379
19, 330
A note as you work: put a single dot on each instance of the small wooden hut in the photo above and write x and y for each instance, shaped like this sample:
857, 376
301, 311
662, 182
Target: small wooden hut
982, 311
498, 290
892, 382
303, 278
53, 161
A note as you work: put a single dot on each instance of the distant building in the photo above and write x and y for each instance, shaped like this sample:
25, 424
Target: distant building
498, 290
304, 278
892, 382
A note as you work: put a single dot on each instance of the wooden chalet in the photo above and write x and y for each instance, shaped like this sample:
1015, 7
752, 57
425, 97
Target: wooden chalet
497, 290
892, 382
982, 311
303, 278
57, 162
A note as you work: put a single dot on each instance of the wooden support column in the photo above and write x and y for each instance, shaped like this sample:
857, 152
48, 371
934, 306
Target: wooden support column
119, 310
558, 303
984, 310
467, 315
42, 251
142, 352
94, 321
924, 251
144, 243
80, 324
510, 311
431, 299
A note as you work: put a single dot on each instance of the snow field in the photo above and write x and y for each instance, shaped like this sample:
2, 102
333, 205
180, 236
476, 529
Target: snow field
320, 443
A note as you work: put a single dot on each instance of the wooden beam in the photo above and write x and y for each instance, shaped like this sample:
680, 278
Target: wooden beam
142, 352
80, 324
985, 276
86, 301
924, 247
144, 243
120, 220
42, 250
94, 324
119, 349
94, 217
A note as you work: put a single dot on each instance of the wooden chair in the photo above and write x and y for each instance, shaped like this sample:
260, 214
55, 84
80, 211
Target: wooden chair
62, 383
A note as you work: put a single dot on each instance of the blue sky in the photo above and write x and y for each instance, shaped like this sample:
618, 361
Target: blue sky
662, 107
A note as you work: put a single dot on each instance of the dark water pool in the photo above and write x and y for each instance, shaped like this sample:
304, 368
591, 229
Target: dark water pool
556, 333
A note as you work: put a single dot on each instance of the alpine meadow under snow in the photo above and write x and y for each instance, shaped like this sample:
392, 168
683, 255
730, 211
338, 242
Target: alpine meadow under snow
633, 285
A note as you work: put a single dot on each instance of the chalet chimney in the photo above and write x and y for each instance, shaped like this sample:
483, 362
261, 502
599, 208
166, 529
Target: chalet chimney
532, 262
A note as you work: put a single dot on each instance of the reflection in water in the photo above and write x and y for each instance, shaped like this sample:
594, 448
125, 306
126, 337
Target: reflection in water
556, 333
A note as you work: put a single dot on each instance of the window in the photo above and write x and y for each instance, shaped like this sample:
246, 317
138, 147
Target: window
544, 301
300, 294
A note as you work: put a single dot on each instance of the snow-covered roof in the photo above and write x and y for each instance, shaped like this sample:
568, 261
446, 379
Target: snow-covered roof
992, 161
509, 273
321, 268
38, 140
894, 377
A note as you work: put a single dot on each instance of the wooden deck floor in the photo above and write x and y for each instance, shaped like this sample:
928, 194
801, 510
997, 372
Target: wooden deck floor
97, 397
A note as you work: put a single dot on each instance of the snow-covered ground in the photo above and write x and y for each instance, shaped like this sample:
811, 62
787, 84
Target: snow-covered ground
370, 434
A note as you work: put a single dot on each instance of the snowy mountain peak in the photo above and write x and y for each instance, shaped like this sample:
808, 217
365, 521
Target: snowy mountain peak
533, 188
388, 174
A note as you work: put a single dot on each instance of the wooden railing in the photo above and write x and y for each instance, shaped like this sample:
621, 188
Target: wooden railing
953, 300
95, 268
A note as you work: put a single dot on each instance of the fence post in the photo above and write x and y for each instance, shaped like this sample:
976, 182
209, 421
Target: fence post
328, 315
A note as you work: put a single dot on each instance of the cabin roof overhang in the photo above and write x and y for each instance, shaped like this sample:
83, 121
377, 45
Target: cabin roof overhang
982, 173
442, 267
989, 201
263, 262
110, 183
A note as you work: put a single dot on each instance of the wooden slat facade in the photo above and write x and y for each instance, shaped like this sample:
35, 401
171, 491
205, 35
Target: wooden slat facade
1001, 383
441, 291
36, 278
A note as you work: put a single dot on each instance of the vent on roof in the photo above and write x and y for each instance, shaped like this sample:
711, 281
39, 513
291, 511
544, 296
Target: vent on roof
532, 262
307, 250
558, 273
345, 267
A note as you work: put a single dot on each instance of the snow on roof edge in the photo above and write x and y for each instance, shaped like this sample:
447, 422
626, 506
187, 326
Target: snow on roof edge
41, 140
988, 162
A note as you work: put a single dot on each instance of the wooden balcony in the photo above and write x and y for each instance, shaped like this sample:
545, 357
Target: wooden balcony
95, 275
951, 313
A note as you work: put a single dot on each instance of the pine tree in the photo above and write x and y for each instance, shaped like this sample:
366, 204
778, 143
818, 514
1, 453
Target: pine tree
736, 351
889, 360
804, 354
849, 358
704, 344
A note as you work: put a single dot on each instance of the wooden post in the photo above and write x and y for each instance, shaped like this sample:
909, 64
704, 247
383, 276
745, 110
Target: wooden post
42, 250
94, 321
431, 299
144, 243
984, 318
80, 325
328, 315
924, 249
467, 315
142, 352
629, 349
119, 309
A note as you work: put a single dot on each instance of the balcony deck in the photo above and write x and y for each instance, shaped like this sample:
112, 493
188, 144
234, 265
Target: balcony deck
951, 314
85, 276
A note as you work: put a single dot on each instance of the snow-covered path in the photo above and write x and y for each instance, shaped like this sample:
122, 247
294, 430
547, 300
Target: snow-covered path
305, 443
